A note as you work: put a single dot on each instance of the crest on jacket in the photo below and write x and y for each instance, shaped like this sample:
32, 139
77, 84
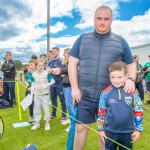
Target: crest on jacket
128, 100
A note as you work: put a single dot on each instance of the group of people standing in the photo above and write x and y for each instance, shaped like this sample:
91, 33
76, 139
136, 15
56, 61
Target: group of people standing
99, 74
142, 78
102, 75
54, 70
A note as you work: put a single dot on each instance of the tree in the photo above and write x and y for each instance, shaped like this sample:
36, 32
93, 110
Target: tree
18, 64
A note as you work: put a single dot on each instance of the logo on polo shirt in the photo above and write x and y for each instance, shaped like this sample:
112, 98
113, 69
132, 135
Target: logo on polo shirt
112, 101
128, 100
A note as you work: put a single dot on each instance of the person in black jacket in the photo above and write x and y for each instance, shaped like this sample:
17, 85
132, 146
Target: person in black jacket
9, 70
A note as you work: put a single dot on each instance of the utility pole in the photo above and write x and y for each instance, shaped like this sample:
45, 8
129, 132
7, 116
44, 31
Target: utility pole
48, 25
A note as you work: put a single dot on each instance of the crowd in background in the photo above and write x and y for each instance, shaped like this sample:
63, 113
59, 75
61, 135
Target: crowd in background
81, 76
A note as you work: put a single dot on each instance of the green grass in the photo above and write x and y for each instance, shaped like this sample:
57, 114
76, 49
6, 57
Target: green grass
56, 138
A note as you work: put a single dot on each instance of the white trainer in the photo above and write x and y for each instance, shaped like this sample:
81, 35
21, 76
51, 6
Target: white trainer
35, 126
47, 126
66, 122
31, 119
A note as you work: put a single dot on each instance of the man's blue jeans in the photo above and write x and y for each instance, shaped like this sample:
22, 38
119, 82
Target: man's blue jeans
68, 98
9, 89
54, 92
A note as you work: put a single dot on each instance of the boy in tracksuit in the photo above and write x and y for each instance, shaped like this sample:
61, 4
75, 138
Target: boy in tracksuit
118, 111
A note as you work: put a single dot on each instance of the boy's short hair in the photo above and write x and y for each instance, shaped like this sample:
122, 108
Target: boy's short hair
32, 61
118, 66
38, 61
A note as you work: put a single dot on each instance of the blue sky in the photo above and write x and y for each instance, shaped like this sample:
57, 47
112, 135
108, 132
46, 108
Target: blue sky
133, 8
23, 24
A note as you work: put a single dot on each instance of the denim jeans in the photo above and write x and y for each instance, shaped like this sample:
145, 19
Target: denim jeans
139, 87
54, 92
68, 98
9, 89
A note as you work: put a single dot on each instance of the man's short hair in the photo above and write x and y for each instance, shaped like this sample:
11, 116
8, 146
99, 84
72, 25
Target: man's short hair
9, 53
56, 48
104, 7
118, 66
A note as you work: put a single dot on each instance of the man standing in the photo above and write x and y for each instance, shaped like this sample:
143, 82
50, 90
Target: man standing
147, 78
9, 70
90, 57
57, 88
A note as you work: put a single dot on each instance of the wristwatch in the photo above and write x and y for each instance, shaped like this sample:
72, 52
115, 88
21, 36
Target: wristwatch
132, 79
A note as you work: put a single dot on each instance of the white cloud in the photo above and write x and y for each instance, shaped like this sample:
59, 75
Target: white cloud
61, 8
59, 26
136, 31
67, 40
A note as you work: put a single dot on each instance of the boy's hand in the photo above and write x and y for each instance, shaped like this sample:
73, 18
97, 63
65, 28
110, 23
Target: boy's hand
135, 136
102, 136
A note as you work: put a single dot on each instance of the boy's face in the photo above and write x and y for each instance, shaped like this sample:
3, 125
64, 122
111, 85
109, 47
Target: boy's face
40, 66
32, 66
118, 78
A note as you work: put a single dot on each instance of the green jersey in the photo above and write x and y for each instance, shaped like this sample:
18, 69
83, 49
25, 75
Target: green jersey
147, 66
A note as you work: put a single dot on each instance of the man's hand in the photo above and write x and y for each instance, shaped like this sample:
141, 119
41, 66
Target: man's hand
56, 71
129, 86
76, 95
102, 136
148, 70
49, 69
135, 136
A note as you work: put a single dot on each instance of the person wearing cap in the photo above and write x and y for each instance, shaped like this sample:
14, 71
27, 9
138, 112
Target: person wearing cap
147, 78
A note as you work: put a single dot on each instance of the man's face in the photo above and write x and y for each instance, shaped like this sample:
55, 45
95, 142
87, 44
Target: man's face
117, 78
55, 53
103, 20
8, 56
